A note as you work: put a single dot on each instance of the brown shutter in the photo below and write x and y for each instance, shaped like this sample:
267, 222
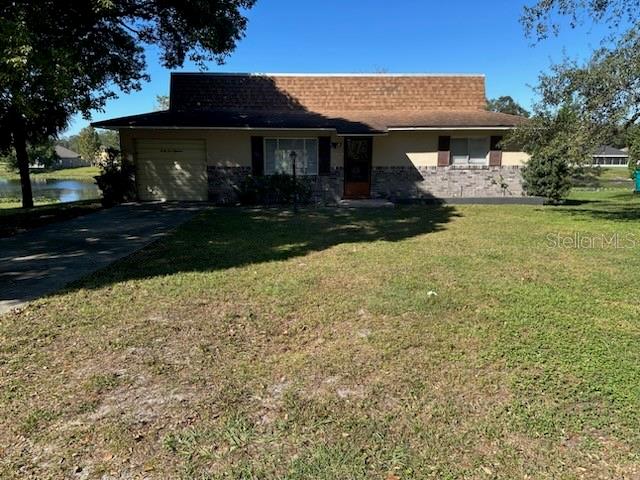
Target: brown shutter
444, 151
257, 156
324, 155
495, 153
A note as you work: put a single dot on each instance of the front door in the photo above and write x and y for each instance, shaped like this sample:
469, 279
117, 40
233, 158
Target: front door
357, 166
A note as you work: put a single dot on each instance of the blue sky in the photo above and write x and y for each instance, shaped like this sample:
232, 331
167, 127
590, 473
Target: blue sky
405, 36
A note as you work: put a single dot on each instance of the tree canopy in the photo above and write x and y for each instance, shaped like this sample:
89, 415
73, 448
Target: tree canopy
50, 70
42, 154
507, 104
88, 143
543, 17
585, 104
162, 102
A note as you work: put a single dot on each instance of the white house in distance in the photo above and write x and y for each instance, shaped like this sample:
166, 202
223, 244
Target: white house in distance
607, 156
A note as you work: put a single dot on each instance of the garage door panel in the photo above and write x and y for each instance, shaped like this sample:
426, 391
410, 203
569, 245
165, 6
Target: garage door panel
171, 170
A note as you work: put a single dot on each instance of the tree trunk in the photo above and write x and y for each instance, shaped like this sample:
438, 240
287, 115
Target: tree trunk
20, 144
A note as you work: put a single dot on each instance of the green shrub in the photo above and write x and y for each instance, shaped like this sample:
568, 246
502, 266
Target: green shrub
548, 177
116, 180
276, 189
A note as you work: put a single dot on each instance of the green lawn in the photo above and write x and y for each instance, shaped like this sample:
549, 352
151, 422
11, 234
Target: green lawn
604, 177
416, 342
80, 173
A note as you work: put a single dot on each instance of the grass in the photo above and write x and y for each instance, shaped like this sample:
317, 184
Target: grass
603, 177
79, 173
15, 219
15, 203
417, 342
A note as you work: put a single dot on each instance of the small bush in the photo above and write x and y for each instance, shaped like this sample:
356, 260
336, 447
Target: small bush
548, 177
276, 189
116, 180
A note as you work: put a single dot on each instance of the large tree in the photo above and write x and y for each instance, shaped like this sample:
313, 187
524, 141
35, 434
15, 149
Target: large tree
604, 91
88, 143
59, 57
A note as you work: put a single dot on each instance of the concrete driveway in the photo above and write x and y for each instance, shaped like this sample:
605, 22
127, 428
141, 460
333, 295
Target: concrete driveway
43, 260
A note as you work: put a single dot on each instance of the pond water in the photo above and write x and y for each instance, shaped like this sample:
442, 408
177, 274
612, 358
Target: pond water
60, 190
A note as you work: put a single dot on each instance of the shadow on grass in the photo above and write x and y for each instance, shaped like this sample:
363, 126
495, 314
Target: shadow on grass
224, 238
616, 214
614, 206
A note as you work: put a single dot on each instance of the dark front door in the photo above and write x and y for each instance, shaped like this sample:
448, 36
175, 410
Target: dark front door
357, 166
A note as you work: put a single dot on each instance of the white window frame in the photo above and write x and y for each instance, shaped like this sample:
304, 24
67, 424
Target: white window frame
277, 139
468, 163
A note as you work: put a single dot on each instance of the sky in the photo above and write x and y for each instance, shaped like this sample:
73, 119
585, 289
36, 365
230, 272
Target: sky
401, 36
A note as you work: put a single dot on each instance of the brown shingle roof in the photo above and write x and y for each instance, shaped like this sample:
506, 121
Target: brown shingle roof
347, 103
322, 93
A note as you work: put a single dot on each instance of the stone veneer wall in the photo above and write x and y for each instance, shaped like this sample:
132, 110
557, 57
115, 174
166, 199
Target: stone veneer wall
445, 182
389, 182
224, 182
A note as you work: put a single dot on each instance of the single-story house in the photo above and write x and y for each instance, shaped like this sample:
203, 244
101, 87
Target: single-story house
353, 136
69, 159
607, 156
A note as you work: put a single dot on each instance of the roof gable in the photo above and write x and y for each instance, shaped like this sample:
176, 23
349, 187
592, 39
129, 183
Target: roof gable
320, 93
64, 152
609, 151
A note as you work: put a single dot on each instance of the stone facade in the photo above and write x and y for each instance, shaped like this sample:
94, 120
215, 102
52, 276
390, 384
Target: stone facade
394, 183
445, 182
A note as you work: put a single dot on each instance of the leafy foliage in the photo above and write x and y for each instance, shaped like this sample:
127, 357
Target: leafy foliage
162, 102
507, 104
116, 180
603, 93
556, 142
109, 139
274, 190
88, 143
42, 154
106, 139
547, 177
541, 19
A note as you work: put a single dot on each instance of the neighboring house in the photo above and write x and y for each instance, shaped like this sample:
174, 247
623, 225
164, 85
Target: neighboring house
354, 136
607, 156
69, 159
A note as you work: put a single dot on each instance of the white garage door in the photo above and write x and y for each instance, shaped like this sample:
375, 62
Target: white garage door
171, 169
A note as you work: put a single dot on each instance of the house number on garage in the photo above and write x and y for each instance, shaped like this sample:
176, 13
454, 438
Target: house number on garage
170, 150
